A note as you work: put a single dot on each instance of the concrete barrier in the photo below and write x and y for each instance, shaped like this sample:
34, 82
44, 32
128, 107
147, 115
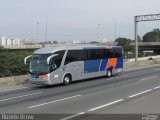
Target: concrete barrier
144, 58
142, 62
14, 80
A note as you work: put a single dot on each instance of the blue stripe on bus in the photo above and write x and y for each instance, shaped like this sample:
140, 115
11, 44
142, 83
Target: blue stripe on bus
91, 66
119, 62
103, 64
100, 65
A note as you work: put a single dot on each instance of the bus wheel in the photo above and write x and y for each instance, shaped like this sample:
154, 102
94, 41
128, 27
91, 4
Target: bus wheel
66, 80
109, 72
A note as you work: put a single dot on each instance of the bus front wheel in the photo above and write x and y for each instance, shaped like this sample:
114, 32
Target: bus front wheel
109, 72
66, 80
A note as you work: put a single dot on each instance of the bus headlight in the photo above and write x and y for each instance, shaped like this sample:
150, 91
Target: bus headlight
43, 76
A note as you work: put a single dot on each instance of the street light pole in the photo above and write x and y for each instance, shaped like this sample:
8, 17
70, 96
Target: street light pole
115, 28
37, 30
98, 34
46, 31
43, 44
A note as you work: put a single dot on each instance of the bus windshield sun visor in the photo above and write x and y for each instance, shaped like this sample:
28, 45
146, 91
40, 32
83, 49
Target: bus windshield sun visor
50, 57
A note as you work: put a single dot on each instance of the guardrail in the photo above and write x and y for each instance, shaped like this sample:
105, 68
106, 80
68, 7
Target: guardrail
144, 58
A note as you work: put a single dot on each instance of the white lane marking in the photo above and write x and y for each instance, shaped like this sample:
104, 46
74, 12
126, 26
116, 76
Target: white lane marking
140, 93
53, 101
13, 89
156, 87
108, 104
19, 96
148, 78
81, 113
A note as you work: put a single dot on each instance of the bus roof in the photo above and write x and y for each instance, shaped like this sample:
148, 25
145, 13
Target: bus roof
48, 50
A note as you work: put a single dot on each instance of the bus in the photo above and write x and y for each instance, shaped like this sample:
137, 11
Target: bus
49, 66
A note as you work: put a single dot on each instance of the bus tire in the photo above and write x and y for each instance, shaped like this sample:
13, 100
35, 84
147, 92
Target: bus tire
67, 80
109, 73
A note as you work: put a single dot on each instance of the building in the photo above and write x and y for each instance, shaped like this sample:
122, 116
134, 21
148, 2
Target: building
104, 40
4, 41
16, 41
76, 41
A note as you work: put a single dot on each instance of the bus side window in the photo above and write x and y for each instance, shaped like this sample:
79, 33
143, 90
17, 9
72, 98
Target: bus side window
71, 57
56, 61
75, 55
118, 52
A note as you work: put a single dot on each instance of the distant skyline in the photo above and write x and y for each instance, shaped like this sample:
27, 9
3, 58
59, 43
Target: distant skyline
75, 19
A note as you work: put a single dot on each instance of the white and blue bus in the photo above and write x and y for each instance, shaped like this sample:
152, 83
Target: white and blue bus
50, 66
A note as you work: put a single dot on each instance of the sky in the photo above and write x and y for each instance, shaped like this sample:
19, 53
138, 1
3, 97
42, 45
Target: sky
75, 19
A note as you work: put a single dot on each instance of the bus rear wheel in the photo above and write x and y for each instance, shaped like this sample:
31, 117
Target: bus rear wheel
66, 80
109, 73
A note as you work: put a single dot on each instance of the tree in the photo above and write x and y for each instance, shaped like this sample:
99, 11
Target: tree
139, 38
125, 43
153, 36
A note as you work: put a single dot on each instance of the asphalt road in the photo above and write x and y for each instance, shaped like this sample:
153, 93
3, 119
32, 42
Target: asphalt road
135, 91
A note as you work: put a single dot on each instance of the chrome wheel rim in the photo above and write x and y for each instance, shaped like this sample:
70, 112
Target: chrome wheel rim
66, 80
109, 73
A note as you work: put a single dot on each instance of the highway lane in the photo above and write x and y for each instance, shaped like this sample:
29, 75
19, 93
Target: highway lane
81, 97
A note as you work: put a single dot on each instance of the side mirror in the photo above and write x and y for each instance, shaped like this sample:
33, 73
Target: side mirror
50, 57
25, 60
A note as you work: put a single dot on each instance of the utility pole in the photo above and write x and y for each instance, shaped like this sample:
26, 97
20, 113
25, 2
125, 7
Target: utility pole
46, 31
115, 28
43, 44
37, 30
98, 34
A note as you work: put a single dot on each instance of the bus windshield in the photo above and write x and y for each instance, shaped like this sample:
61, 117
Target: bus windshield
38, 64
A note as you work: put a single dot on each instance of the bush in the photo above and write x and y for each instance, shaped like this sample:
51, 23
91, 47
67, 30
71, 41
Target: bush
12, 63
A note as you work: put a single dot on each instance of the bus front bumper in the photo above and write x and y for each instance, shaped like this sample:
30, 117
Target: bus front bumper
39, 81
